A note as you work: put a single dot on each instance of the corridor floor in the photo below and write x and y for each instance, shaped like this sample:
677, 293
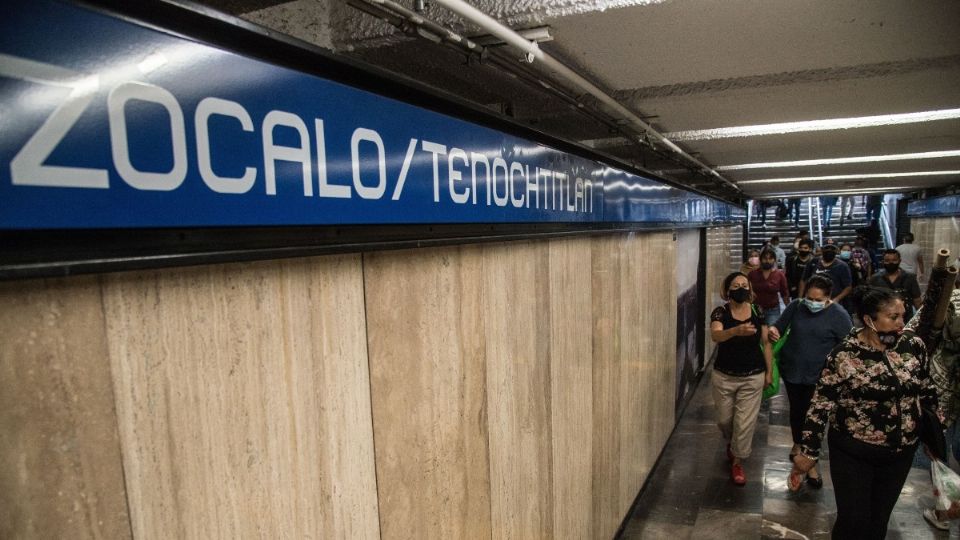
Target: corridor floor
690, 495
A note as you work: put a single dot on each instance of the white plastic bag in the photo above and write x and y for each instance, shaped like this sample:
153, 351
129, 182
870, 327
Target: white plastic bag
947, 484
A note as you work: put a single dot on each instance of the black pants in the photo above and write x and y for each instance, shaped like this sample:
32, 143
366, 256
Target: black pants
799, 396
867, 480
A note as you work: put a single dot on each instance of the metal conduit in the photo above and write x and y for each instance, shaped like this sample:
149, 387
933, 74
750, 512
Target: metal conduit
533, 52
398, 15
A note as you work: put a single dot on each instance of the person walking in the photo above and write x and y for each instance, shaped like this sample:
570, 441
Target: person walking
774, 244
801, 235
761, 207
793, 210
742, 368
945, 374
846, 207
898, 280
874, 205
752, 262
826, 207
871, 393
816, 325
769, 286
796, 264
858, 274
837, 270
911, 259
860, 254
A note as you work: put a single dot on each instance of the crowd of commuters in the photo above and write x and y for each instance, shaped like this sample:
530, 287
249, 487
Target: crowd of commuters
854, 373
789, 209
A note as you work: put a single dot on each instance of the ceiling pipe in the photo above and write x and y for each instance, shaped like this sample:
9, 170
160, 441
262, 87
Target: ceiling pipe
422, 21
532, 52
394, 12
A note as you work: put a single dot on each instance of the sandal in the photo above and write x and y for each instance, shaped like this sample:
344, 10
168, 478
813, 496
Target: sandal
815, 483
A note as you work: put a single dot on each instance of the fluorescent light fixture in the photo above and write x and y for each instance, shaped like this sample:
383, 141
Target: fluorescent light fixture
813, 125
846, 177
839, 161
781, 194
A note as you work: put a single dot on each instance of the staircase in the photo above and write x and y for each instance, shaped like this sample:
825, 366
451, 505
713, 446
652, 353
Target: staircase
841, 233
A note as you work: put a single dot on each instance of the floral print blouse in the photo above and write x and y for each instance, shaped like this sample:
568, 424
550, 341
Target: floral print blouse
872, 395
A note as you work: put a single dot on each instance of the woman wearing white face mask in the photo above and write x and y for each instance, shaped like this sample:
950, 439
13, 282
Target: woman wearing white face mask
816, 327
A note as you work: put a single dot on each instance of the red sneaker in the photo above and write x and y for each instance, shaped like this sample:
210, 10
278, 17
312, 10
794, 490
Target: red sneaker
736, 474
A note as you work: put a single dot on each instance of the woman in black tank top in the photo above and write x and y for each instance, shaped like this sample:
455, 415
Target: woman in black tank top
741, 370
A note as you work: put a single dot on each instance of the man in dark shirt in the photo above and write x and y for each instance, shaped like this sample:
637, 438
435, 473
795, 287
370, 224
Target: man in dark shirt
796, 264
834, 268
902, 282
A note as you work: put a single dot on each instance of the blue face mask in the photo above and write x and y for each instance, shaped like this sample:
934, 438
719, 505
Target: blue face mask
814, 307
845, 255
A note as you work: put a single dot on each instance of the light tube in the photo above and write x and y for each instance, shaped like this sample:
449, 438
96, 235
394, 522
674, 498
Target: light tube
813, 125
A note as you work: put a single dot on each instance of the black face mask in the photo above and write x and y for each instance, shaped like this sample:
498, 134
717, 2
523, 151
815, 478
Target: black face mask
740, 295
766, 265
804, 254
829, 256
891, 268
888, 339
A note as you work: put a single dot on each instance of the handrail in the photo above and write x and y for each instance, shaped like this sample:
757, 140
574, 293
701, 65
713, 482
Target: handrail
819, 227
888, 240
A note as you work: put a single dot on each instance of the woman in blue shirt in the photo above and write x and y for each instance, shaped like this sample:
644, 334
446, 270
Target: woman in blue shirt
816, 325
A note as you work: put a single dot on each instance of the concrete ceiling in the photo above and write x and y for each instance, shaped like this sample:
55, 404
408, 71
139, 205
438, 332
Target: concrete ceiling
699, 64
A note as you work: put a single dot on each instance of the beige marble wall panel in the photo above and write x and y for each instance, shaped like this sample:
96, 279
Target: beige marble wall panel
571, 376
634, 370
648, 310
606, 263
60, 468
328, 388
516, 312
638, 264
243, 400
428, 376
657, 326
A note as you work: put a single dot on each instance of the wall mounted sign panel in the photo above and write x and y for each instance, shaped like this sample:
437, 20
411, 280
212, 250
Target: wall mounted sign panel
111, 124
948, 205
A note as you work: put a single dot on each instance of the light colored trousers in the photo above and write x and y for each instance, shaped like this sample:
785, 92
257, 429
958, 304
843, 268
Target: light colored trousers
738, 404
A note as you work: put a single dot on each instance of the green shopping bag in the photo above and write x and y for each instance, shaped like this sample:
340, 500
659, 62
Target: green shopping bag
773, 388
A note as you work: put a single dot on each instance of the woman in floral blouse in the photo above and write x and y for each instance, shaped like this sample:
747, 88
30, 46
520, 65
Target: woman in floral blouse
870, 392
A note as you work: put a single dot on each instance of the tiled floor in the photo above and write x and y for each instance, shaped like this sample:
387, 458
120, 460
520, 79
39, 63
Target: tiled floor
690, 495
